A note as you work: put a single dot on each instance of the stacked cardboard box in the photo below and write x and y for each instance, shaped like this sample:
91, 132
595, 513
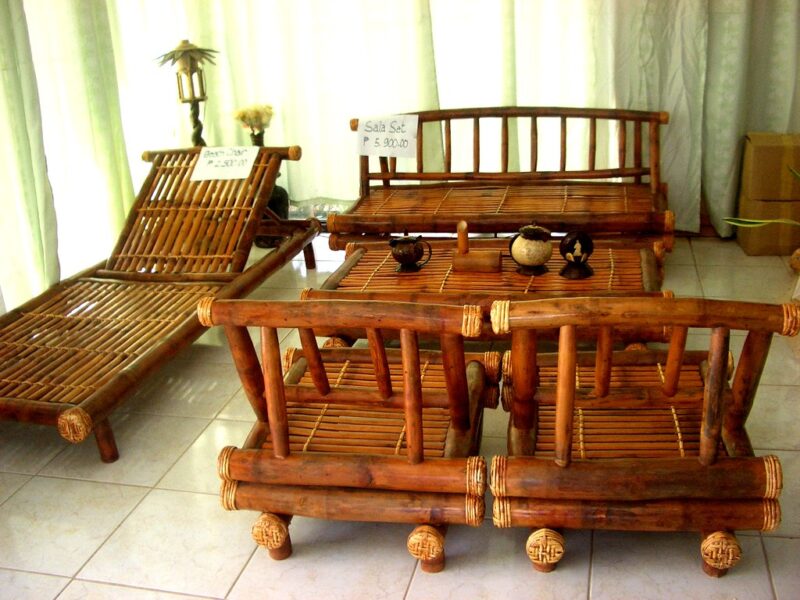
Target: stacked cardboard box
769, 190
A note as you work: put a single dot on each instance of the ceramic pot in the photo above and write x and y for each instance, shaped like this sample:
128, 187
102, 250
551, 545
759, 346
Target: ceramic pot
531, 249
408, 251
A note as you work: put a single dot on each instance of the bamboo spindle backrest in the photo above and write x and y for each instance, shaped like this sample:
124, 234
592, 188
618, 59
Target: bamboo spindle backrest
182, 227
450, 323
501, 129
524, 319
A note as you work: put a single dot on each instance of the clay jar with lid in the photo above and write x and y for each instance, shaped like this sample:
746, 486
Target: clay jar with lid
531, 249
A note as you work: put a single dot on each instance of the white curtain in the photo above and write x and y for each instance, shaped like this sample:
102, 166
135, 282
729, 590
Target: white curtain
719, 67
27, 228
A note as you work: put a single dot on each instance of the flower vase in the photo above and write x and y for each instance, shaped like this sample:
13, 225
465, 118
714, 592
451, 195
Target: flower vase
257, 138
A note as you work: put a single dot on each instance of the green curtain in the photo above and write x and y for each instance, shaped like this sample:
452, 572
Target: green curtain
28, 225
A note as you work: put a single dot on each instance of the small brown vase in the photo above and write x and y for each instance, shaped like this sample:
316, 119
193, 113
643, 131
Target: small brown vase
407, 251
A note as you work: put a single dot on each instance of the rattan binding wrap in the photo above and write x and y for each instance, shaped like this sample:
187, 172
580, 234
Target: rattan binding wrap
227, 493
491, 362
304, 293
774, 477
270, 531
772, 515
74, 425
507, 374
204, 311
497, 475
476, 475
501, 512
721, 550
471, 321
545, 546
499, 316
224, 463
425, 543
475, 510
791, 319
507, 397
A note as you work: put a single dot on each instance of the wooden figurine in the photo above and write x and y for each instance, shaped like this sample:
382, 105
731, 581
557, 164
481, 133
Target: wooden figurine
478, 261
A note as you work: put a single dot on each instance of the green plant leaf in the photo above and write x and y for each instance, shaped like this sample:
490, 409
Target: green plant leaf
759, 222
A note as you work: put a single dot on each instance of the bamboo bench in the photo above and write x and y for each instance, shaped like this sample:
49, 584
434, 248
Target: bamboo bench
72, 355
649, 439
585, 168
359, 433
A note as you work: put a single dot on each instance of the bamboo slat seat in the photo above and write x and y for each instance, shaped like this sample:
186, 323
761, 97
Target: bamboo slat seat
646, 438
359, 433
600, 173
71, 355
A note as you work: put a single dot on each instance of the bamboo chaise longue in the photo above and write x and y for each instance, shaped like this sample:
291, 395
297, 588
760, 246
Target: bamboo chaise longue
359, 433
614, 187
70, 356
647, 439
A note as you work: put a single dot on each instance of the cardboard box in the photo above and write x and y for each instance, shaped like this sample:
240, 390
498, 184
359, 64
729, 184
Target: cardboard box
769, 190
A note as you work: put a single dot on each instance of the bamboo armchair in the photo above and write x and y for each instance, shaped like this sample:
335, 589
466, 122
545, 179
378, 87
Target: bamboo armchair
359, 434
647, 439
612, 187
70, 356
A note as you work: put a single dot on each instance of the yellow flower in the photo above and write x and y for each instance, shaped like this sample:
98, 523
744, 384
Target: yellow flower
256, 117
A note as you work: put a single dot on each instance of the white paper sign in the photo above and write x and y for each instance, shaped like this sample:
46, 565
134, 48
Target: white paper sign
388, 136
231, 162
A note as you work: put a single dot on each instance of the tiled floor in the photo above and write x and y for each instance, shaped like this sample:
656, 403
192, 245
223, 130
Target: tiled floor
151, 526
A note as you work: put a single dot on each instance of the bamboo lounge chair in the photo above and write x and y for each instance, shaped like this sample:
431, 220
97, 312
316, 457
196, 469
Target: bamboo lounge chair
70, 356
636, 439
359, 434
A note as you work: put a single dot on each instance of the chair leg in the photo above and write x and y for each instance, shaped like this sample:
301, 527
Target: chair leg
545, 547
720, 551
272, 532
426, 544
308, 256
106, 443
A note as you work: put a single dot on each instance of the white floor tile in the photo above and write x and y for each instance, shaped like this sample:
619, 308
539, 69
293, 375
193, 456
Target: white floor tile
177, 542
682, 280
751, 284
54, 525
681, 254
783, 556
148, 446
196, 471
89, 590
237, 409
635, 565
295, 275
332, 560
772, 424
20, 585
185, 389
26, 448
712, 251
488, 563
10, 483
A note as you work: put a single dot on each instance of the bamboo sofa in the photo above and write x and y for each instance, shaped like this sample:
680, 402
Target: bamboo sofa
613, 186
358, 433
72, 355
642, 439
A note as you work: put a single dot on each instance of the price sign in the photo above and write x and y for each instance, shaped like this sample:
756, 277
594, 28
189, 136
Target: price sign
388, 136
232, 162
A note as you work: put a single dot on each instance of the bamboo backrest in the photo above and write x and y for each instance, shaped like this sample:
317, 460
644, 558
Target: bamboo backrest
593, 144
265, 379
205, 229
724, 410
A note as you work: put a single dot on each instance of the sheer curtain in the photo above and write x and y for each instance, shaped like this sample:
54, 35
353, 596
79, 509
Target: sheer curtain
27, 227
720, 67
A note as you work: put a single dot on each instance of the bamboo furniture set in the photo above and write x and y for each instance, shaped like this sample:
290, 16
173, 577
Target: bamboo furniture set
383, 422
72, 355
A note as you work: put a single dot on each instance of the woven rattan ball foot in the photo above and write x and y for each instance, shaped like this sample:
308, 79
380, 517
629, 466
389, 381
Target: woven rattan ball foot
272, 532
426, 544
545, 548
720, 551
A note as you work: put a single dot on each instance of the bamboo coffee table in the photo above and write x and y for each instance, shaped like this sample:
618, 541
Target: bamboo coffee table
369, 272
